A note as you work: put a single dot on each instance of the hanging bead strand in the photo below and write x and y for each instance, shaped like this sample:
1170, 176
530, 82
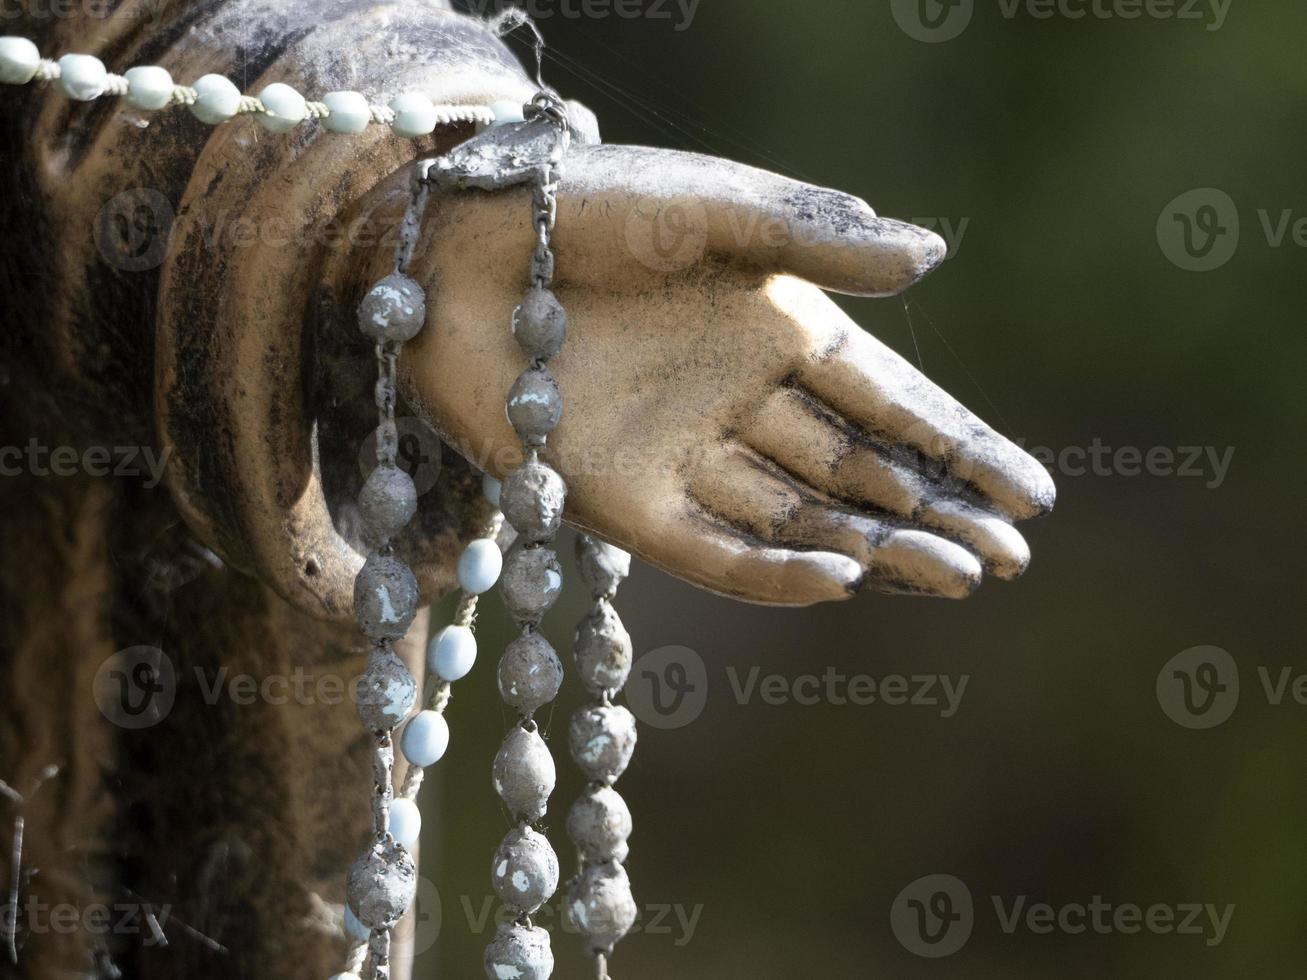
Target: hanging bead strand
525, 869
602, 738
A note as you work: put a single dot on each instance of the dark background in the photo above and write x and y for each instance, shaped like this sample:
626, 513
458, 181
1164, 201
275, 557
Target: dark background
1061, 321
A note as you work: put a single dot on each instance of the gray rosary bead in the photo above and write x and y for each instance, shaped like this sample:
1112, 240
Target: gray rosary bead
599, 825
532, 582
525, 870
603, 650
540, 323
602, 566
532, 500
530, 674
388, 502
387, 692
601, 906
535, 405
386, 597
524, 773
602, 740
381, 885
394, 310
519, 952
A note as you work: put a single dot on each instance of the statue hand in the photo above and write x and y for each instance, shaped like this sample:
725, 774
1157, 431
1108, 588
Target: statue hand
723, 419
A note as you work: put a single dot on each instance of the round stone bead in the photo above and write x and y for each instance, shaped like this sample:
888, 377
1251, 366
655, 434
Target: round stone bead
602, 740
425, 739
388, 501
490, 488
519, 952
603, 650
530, 673
381, 885
415, 114
540, 325
599, 824
603, 567
507, 111
386, 693
451, 653
404, 822
525, 870
532, 501
355, 929
386, 597
524, 773
82, 76
394, 310
535, 405
600, 905
285, 107
19, 59
216, 99
533, 581
479, 566
347, 112
149, 87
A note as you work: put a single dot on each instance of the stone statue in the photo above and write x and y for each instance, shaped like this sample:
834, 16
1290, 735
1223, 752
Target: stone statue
191, 291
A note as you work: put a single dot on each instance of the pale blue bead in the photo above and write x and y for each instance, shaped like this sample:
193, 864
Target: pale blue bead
149, 87
415, 114
355, 929
490, 487
347, 112
82, 76
425, 739
479, 566
217, 99
19, 60
285, 107
405, 822
507, 111
451, 653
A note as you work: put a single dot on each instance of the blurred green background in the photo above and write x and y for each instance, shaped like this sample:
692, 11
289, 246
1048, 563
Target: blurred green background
1057, 144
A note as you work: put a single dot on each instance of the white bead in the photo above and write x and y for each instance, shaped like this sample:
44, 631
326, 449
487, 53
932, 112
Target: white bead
451, 653
19, 60
425, 738
405, 822
415, 114
348, 112
217, 99
490, 487
344, 976
82, 76
479, 566
507, 111
355, 929
285, 108
148, 87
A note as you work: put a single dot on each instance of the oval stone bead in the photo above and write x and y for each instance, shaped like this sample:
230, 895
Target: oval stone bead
519, 952
532, 500
394, 310
386, 692
530, 674
602, 740
386, 597
524, 773
533, 581
603, 566
216, 99
149, 87
599, 824
540, 324
600, 905
535, 405
381, 885
479, 566
524, 871
426, 738
603, 650
347, 112
286, 108
452, 653
387, 502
